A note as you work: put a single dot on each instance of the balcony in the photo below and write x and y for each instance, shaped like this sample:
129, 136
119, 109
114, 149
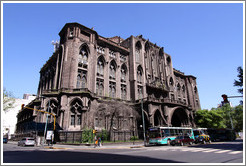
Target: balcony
65, 90
158, 86
167, 101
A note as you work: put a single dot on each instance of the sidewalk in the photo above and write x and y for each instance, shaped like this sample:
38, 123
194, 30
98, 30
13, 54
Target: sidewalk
123, 145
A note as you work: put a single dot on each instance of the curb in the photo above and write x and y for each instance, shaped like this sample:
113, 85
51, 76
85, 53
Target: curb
119, 147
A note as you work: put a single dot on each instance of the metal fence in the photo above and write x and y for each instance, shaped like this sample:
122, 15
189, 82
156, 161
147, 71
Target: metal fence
79, 137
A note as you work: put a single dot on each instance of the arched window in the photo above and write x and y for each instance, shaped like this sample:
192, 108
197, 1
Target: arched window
83, 57
100, 66
76, 113
112, 89
112, 70
138, 47
123, 92
147, 46
84, 82
52, 107
78, 81
81, 79
139, 74
171, 81
183, 89
123, 73
100, 87
140, 92
168, 60
195, 90
178, 87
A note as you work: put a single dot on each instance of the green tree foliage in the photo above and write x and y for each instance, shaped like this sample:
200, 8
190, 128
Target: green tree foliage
8, 100
209, 119
221, 118
239, 82
237, 114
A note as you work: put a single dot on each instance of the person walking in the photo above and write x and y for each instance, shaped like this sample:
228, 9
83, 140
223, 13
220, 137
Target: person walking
95, 141
99, 142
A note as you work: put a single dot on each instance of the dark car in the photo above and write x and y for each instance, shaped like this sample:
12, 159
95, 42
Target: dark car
181, 140
5, 140
27, 141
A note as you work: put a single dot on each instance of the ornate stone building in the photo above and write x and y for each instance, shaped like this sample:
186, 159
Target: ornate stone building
101, 83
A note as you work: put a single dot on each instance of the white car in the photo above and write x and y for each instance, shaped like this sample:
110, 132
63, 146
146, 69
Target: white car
27, 141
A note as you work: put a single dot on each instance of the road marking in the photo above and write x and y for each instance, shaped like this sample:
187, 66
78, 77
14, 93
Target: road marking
185, 150
235, 152
222, 151
211, 150
196, 150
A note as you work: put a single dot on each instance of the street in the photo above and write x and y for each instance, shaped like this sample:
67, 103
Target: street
217, 152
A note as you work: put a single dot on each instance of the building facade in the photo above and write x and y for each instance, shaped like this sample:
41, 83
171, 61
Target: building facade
104, 83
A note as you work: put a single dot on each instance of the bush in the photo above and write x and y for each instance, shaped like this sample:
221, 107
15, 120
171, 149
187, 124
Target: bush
87, 135
104, 135
133, 138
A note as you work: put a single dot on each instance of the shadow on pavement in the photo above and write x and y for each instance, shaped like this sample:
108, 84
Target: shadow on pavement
236, 145
75, 157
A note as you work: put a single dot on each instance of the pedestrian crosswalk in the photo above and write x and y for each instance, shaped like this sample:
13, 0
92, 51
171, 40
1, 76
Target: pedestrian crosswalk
192, 149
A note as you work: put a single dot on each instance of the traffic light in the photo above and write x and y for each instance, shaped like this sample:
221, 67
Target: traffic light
22, 106
225, 98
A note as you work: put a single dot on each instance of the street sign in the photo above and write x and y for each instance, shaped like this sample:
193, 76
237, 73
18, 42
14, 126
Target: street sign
49, 135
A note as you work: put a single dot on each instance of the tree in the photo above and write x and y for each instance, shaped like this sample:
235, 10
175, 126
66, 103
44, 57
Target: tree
210, 119
222, 117
237, 116
239, 82
8, 100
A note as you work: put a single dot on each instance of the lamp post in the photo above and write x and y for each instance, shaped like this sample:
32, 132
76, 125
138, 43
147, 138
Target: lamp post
45, 129
143, 120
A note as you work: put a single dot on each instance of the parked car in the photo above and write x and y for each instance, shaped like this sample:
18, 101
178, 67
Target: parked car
181, 140
27, 141
203, 139
5, 140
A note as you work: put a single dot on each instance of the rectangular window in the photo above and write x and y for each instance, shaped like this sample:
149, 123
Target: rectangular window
79, 119
72, 120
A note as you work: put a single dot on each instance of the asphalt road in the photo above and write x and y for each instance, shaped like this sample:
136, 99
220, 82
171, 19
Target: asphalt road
220, 152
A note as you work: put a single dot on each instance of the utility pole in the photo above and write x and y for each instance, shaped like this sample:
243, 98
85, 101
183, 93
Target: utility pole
143, 120
225, 101
45, 129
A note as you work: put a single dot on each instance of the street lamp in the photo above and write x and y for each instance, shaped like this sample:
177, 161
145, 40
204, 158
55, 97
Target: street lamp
143, 120
45, 129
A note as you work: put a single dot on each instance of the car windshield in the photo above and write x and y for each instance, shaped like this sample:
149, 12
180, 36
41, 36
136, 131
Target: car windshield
30, 139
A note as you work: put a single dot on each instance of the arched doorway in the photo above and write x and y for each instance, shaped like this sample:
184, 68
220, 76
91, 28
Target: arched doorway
179, 118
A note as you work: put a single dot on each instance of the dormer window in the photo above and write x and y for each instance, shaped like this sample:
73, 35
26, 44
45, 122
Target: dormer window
83, 57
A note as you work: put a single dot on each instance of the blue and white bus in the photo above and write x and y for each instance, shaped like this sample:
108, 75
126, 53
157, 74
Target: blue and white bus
164, 135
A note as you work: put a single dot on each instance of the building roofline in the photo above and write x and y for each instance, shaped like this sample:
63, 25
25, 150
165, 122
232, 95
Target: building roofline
79, 25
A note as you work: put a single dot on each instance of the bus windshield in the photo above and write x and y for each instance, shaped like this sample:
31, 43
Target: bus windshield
154, 134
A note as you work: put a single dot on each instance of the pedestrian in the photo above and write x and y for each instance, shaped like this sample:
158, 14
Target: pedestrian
102, 140
95, 141
99, 141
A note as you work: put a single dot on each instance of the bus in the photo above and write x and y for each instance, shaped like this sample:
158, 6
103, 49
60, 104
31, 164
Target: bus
164, 135
222, 134
199, 131
201, 135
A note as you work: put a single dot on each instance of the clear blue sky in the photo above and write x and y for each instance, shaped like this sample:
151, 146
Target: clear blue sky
204, 39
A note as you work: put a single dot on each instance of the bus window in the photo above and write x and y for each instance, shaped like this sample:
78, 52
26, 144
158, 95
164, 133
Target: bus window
166, 132
172, 132
179, 132
154, 134
196, 132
